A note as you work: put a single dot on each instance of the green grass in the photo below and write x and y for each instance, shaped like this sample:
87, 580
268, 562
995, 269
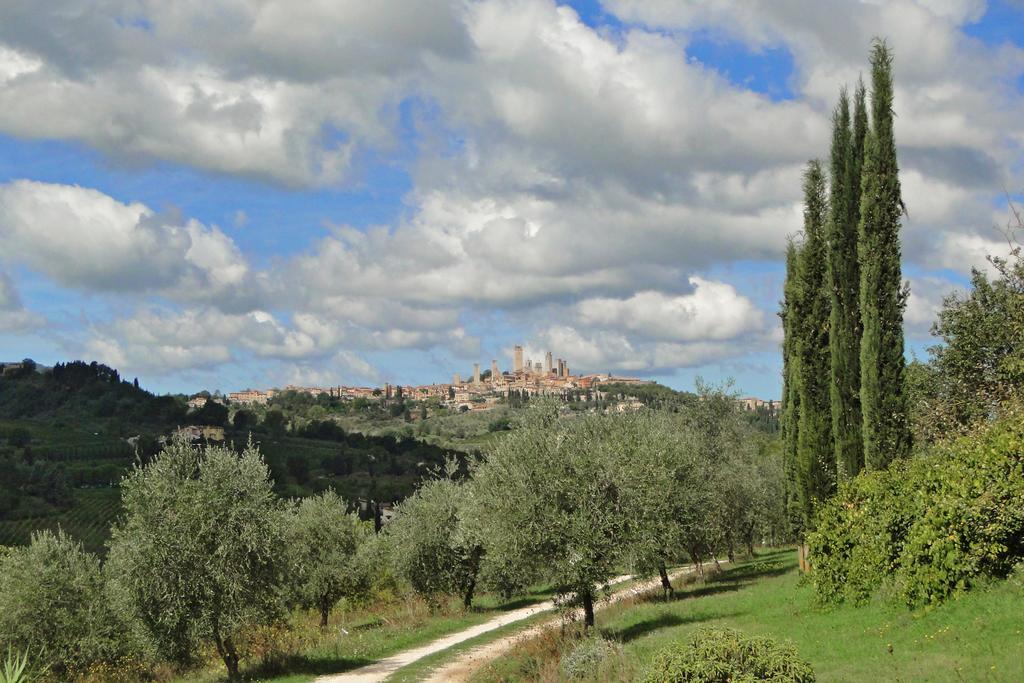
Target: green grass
978, 637
87, 520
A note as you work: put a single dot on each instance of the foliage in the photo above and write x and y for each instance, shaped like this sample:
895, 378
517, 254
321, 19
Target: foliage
788, 312
980, 363
937, 525
53, 605
815, 458
883, 297
858, 537
585, 658
430, 543
550, 496
14, 669
198, 554
971, 503
725, 655
324, 545
844, 283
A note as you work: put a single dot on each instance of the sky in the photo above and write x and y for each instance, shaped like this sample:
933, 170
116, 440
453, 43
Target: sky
225, 194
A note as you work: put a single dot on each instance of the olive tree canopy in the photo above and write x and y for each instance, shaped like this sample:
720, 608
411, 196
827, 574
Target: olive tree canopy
199, 554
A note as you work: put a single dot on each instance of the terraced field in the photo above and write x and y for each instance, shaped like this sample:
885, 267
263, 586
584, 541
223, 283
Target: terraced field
88, 520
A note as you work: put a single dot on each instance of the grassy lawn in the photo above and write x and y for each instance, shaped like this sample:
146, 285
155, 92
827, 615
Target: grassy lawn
978, 637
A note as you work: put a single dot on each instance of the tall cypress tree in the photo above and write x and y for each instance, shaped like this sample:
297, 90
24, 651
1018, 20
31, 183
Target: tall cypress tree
816, 464
882, 295
790, 389
856, 159
844, 286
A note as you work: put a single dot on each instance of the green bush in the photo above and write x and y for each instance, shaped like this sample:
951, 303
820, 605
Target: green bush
934, 525
972, 514
858, 537
586, 657
724, 655
53, 605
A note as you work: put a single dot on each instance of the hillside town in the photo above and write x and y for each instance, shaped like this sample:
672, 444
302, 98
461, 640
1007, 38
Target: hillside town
482, 390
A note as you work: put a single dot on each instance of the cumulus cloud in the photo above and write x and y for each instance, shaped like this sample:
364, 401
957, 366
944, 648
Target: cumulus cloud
85, 239
13, 316
577, 179
714, 312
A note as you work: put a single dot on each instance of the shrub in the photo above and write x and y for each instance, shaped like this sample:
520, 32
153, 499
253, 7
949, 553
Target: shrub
972, 514
936, 524
723, 655
53, 605
586, 657
858, 537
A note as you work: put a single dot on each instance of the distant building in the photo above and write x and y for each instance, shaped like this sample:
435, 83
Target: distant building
250, 396
517, 359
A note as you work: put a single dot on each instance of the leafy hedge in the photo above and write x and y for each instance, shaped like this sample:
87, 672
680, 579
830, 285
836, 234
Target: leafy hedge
725, 655
932, 527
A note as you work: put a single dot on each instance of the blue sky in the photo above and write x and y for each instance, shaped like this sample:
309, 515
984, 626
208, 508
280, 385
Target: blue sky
354, 195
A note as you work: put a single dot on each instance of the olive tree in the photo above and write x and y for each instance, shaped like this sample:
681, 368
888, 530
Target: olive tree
324, 544
430, 545
199, 553
549, 498
53, 605
668, 485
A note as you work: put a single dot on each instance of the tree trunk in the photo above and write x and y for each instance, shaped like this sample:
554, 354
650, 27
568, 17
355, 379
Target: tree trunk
731, 553
665, 583
227, 652
467, 599
474, 569
698, 565
587, 596
325, 611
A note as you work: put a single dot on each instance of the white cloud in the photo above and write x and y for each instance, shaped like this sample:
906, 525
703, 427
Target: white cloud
13, 316
713, 312
85, 239
926, 296
572, 178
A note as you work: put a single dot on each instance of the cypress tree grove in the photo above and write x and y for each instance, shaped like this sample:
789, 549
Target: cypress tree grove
844, 286
816, 464
882, 295
790, 389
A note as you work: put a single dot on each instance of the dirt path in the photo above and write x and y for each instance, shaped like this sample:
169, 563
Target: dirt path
462, 666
